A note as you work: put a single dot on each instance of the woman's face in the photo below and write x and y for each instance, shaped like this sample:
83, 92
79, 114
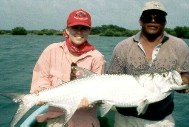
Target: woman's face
78, 34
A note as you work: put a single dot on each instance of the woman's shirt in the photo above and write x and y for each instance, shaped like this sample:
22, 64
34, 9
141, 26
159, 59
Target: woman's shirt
54, 67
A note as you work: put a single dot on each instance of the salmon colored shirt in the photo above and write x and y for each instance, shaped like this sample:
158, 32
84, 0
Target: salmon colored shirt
53, 68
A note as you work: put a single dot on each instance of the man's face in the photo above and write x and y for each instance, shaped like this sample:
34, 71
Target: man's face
153, 22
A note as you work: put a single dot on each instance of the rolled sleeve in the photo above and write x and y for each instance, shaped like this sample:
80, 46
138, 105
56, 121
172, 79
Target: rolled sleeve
41, 74
98, 65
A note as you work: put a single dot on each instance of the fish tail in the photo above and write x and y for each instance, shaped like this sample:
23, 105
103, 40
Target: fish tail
24, 105
16, 97
141, 109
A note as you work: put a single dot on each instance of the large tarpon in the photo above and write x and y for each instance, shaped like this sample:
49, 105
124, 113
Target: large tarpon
112, 90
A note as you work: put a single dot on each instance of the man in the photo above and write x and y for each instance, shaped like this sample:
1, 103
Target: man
150, 50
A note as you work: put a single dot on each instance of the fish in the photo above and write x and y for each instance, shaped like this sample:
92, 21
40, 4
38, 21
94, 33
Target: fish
119, 90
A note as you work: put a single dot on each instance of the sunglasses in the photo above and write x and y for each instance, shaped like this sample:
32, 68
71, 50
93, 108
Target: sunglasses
80, 27
153, 18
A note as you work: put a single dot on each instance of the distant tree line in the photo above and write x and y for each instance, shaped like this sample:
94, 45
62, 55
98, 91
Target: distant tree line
104, 30
23, 31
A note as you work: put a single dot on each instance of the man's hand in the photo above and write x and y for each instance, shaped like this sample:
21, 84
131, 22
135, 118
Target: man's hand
185, 80
185, 77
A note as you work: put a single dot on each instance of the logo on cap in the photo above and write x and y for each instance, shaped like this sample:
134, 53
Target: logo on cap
156, 5
81, 15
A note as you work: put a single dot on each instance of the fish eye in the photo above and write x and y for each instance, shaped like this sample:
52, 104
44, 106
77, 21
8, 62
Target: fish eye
164, 75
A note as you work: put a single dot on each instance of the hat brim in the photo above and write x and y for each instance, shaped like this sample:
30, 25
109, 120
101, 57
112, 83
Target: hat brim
79, 23
155, 10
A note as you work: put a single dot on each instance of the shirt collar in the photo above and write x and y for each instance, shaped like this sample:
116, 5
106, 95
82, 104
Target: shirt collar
137, 37
63, 45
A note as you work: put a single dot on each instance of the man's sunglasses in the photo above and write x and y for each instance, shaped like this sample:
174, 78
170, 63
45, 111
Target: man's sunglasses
153, 18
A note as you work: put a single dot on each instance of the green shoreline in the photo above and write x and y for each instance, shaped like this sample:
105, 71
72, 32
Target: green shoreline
104, 30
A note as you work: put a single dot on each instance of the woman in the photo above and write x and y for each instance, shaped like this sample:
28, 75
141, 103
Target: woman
54, 67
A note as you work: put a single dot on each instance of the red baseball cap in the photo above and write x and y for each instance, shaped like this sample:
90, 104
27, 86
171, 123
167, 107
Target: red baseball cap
79, 17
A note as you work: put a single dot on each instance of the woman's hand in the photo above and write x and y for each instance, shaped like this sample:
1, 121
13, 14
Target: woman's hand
85, 103
39, 103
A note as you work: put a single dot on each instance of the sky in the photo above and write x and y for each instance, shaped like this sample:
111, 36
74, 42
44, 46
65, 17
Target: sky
52, 14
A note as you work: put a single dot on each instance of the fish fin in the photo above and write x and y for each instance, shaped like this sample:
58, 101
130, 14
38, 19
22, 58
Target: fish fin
141, 109
104, 108
32, 118
83, 73
23, 106
68, 110
69, 114
181, 87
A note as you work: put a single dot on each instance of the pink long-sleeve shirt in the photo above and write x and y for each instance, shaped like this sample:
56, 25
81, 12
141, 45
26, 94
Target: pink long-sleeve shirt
53, 68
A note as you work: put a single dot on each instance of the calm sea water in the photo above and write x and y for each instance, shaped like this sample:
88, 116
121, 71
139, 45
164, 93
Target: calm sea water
18, 55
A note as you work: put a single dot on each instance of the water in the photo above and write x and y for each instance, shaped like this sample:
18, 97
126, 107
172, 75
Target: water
18, 55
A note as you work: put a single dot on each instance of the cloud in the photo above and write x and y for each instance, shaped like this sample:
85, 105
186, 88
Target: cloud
40, 14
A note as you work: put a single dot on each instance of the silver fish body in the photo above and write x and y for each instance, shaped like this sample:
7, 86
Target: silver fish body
112, 90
